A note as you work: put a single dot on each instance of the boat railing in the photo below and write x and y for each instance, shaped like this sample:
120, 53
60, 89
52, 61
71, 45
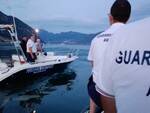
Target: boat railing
14, 40
63, 51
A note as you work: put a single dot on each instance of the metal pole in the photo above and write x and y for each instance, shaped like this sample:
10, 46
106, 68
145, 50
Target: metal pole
16, 36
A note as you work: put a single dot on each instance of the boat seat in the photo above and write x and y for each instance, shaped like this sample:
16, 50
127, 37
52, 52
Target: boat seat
16, 58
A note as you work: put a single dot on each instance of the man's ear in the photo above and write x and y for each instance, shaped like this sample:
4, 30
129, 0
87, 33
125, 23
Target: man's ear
111, 19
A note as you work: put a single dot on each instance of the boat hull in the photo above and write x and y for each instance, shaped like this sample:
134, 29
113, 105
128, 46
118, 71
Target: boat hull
26, 75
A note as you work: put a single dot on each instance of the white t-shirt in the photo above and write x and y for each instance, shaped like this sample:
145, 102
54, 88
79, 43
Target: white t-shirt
31, 44
97, 49
126, 71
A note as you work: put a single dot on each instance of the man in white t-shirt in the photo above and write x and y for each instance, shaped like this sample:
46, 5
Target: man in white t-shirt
119, 15
125, 76
31, 49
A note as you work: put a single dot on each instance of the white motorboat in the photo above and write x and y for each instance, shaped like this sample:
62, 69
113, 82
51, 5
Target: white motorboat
18, 67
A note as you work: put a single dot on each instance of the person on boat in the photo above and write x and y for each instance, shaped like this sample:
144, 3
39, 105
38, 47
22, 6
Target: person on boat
39, 46
118, 16
23, 45
31, 49
125, 80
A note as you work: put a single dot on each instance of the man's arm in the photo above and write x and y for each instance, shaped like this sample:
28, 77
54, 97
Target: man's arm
108, 104
31, 53
90, 54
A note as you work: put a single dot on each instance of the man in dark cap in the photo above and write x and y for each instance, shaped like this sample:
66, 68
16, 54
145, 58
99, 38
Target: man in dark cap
118, 16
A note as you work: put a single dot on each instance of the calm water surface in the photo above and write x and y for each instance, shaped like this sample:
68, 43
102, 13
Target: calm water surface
58, 93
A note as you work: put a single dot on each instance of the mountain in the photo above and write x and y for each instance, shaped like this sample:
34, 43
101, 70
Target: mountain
56, 38
66, 37
22, 28
66, 24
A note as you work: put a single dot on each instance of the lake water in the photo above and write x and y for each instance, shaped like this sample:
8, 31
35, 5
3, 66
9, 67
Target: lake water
58, 93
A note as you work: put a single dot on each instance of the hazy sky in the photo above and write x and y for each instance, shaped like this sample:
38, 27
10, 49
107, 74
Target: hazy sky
66, 14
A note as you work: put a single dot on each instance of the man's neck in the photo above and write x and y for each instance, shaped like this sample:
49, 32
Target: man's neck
115, 21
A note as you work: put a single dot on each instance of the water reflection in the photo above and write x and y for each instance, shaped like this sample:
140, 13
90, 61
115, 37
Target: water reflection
30, 96
62, 79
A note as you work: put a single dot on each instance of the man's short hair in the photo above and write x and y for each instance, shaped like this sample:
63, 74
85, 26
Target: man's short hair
121, 10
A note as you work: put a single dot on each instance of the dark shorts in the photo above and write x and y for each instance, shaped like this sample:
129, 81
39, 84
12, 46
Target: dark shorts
30, 59
94, 95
